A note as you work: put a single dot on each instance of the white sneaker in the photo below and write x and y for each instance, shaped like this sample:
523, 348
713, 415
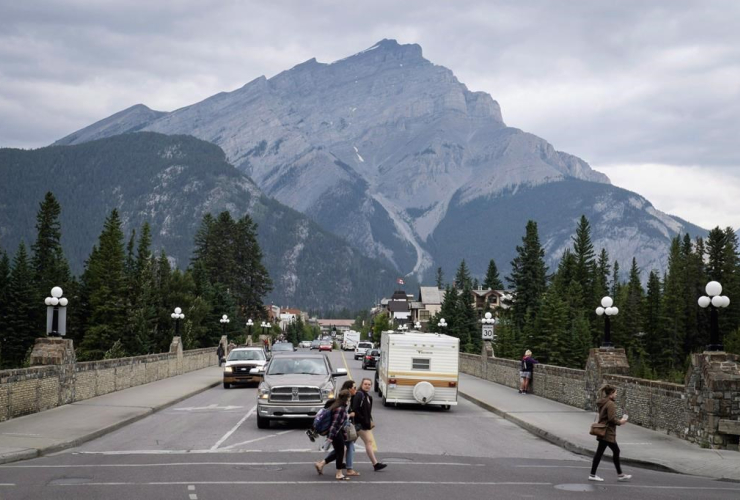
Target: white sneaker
624, 477
593, 477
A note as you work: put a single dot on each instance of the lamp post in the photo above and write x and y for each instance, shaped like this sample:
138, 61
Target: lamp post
250, 324
608, 309
224, 321
265, 326
442, 324
487, 321
56, 313
403, 328
177, 316
417, 325
714, 301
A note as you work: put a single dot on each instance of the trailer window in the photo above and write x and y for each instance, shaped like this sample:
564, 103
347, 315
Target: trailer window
420, 363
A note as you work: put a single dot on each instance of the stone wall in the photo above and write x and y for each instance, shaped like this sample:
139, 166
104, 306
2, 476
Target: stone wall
39, 388
706, 410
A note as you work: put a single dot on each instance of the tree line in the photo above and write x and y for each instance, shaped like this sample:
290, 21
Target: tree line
553, 313
121, 303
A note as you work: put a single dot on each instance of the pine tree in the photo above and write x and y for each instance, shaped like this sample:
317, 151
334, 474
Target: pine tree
655, 344
462, 277
528, 276
673, 306
107, 291
492, 280
467, 322
631, 311
585, 265
253, 281
4, 298
551, 340
21, 326
440, 278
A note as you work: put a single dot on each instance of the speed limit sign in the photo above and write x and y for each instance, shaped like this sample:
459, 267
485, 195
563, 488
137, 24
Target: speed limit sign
487, 332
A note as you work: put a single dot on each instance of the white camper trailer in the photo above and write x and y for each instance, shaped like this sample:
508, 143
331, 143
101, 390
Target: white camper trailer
418, 368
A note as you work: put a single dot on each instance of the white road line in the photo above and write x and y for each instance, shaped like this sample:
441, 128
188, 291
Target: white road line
191, 487
233, 430
193, 496
349, 372
7, 484
255, 440
254, 464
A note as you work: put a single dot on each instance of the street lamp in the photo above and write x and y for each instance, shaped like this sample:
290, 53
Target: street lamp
250, 323
442, 324
417, 325
607, 309
403, 327
224, 321
265, 326
177, 316
715, 300
56, 313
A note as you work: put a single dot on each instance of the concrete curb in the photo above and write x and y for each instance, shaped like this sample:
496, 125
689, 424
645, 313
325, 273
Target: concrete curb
38, 452
563, 443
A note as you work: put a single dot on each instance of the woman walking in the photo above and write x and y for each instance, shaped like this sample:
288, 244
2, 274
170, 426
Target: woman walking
608, 416
349, 385
362, 406
336, 431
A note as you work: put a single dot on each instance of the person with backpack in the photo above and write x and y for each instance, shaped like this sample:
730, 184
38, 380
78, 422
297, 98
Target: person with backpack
349, 385
608, 415
336, 434
526, 370
362, 406
220, 354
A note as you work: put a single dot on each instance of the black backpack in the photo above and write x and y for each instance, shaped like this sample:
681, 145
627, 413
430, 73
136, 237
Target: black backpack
524, 365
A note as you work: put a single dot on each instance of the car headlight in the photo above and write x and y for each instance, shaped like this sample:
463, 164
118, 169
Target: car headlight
228, 369
327, 392
263, 392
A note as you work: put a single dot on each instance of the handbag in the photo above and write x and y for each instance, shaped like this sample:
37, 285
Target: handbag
598, 429
351, 433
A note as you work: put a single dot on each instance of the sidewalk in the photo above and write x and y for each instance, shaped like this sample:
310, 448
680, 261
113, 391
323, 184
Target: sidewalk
73, 424
567, 426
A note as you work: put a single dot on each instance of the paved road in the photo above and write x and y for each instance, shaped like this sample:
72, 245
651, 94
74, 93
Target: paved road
209, 447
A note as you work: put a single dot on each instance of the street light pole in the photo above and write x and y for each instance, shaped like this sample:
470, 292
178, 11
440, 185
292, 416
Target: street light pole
224, 321
177, 316
250, 323
714, 301
607, 309
442, 324
56, 313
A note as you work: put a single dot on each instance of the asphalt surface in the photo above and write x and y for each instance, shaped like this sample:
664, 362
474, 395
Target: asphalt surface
209, 447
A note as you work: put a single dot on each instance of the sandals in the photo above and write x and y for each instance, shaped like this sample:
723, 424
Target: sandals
319, 468
352, 473
341, 478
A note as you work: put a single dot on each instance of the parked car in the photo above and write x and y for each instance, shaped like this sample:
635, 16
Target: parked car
315, 344
326, 345
305, 344
362, 348
283, 347
295, 386
239, 364
370, 359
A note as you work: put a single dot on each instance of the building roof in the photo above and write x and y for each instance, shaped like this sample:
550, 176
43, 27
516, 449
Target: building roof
337, 322
416, 305
399, 295
430, 295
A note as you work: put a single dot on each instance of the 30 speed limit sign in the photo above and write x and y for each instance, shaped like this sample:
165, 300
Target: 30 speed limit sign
487, 332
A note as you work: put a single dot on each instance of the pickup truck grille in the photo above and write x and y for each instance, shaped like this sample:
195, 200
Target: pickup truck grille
295, 395
242, 369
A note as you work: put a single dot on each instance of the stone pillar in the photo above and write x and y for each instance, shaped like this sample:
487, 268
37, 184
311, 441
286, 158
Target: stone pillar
176, 348
59, 352
486, 352
713, 397
601, 361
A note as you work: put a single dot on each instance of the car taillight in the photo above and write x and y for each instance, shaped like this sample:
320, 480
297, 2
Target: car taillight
453, 384
368, 357
391, 381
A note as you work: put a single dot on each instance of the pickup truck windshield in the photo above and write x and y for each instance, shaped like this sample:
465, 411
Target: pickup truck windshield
297, 366
252, 355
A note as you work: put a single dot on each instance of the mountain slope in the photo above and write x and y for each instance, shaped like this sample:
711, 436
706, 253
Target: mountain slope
172, 181
379, 148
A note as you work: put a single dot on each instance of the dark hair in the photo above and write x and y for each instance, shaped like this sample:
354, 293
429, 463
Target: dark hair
341, 400
347, 385
608, 390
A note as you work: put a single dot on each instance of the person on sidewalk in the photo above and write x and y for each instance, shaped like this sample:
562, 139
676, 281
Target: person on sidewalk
362, 406
349, 385
220, 354
525, 372
608, 416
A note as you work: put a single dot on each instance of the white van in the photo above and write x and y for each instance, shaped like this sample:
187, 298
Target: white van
362, 348
418, 368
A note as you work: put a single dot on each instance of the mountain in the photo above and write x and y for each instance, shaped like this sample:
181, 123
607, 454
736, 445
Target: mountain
172, 181
388, 150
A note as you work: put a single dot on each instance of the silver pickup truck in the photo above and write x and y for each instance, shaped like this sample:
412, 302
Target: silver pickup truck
295, 386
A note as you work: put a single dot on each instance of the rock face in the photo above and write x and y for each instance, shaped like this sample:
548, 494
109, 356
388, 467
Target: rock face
172, 182
379, 148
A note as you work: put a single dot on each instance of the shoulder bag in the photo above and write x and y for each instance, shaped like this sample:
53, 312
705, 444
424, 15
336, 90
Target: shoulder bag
598, 429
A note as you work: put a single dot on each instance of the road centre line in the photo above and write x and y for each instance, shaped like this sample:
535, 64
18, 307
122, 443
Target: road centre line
257, 439
193, 496
349, 373
191, 487
7, 484
233, 430
255, 464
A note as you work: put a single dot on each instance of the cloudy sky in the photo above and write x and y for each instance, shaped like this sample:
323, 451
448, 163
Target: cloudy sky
647, 92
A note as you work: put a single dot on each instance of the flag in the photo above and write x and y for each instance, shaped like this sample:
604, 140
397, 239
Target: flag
400, 281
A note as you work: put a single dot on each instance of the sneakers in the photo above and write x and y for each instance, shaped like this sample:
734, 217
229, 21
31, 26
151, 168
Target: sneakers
594, 477
520, 391
624, 477
379, 466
